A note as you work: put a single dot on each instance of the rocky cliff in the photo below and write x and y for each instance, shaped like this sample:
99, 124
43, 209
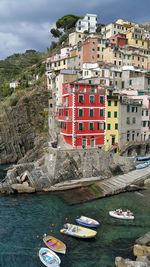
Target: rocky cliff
22, 127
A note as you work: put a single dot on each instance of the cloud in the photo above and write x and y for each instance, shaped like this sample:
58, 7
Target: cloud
26, 24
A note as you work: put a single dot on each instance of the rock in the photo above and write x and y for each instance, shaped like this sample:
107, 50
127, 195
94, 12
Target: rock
23, 188
25, 176
144, 240
141, 250
22, 127
120, 262
147, 182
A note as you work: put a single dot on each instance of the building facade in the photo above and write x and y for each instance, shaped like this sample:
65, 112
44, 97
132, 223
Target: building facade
82, 114
88, 24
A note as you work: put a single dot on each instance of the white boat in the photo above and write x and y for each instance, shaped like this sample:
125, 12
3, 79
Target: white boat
119, 214
49, 258
88, 222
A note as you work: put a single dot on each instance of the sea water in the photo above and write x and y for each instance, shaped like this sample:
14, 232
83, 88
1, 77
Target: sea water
25, 218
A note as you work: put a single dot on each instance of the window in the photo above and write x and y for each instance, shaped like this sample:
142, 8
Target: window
115, 114
80, 98
109, 114
80, 112
134, 120
100, 126
91, 126
91, 99
130, 82
122, 84
108, 126
128, 120
101, 112
115, 103
101, 100
146, 112
128, 135
116, 126
109, 103
128, 108
91, 112
80, 126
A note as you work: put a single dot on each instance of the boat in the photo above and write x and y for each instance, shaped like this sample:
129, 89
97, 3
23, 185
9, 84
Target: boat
49, 258
119, 214
77, 231
143, 165
143, 158
54, 244
86, 221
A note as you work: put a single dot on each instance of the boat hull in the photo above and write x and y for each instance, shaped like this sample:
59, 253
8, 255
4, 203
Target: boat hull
78, 231
143, 158
123, 216
49, 258
54, 244
143, 165
80, 222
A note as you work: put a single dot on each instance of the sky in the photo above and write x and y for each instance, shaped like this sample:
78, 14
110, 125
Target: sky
26, 24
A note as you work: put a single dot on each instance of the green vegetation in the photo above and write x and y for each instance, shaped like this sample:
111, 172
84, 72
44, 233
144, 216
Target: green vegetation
66, 24
20, 67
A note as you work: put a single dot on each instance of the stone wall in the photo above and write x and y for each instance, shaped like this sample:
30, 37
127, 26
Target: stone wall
65, 165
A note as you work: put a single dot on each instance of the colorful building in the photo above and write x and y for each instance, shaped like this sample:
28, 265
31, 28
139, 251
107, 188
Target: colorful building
82, 114
136, 38
118, 40
112, 121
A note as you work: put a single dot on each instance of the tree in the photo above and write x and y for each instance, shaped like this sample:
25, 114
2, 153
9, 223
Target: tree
67, 22
56, 33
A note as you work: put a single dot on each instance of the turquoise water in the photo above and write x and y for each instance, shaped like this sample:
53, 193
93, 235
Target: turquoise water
25, 218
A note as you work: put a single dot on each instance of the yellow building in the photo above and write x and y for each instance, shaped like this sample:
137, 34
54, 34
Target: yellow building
136, 38
112, 122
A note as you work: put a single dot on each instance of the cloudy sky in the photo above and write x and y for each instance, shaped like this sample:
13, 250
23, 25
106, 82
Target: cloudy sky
25, 24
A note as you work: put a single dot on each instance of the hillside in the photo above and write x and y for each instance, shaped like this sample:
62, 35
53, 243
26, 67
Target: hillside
21, 67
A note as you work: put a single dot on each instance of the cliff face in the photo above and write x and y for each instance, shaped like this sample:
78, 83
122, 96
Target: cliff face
22, 126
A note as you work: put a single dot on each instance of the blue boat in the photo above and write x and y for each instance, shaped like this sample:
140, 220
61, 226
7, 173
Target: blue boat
88, 222
144, 158
142, 165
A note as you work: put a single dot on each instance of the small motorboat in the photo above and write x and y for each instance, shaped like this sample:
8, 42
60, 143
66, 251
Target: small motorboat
77, 231
54, 244
119, 214
144, 158
49, 258
88, 222
143, 165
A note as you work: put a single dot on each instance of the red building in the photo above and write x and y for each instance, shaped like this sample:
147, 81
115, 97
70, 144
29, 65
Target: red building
82, 115
119, 39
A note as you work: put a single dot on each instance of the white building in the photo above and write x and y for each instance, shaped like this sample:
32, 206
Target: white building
88, 23
14, 84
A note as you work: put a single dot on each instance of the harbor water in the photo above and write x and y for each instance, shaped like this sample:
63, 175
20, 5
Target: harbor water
25, 218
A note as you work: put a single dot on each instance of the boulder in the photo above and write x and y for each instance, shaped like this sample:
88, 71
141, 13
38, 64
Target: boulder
23, 188
141, 250
144, 240
120, 262
25, 176
147, 182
